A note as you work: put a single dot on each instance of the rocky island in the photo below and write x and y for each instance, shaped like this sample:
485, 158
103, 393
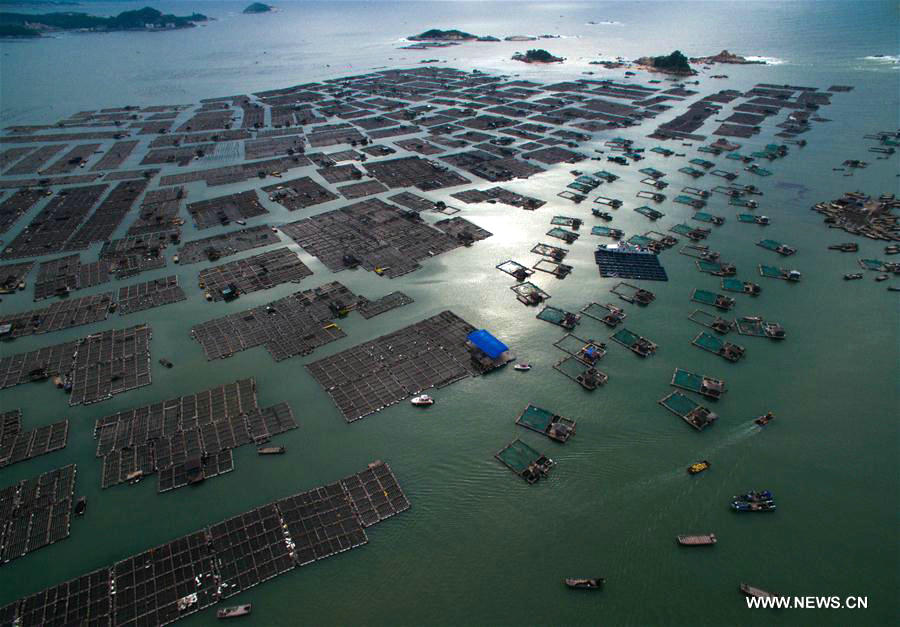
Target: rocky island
258, 7
675, 63
726, 57
437, 38
436, 34
146, 19
537, 56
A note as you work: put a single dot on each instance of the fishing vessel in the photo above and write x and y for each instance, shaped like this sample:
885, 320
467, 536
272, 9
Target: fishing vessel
752, 591
423, 400
743, 506
703, 539
234, 612
762, 421
522, 367
755, 496
699, 467
270, 450
585, 584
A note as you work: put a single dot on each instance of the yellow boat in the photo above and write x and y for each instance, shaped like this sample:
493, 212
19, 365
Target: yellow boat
698, 467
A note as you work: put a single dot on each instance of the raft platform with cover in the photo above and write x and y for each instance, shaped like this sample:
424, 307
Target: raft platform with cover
547, 423
693, 413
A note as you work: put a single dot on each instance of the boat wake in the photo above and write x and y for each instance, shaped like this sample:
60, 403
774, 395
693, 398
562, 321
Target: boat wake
606, 23
883, 58
768, 60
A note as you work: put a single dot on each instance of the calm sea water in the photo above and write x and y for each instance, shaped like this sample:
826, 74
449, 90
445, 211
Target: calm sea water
480, 546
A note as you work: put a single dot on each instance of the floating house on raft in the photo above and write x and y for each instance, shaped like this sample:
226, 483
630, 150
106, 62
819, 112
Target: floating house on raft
487, 351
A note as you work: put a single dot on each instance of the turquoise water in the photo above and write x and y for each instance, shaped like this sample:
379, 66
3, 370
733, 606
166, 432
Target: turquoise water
480, 546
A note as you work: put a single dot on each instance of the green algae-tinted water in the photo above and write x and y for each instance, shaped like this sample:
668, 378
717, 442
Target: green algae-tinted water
479, 546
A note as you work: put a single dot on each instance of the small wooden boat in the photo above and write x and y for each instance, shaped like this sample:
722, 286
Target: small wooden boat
175, 259
423, 400
522, 367
270, 450
166, 363
699, 467
742, 506
585, 584
853, 276
703, 539
80, 506
752, 591
762, 421
208, 296
881, 277
234, 612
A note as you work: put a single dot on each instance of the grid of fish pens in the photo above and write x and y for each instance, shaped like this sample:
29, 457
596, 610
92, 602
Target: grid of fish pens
258, 272
289, 326
168, 582
250, 549
60, 315
17, 445
371, 308
35, 512
371, 376
141, 296
163, 437
110, 363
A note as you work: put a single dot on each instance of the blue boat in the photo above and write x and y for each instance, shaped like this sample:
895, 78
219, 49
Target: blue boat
755, 496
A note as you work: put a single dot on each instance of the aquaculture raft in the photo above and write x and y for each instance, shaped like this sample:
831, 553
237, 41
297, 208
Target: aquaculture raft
632, 293
717, 268
608, 314
695, 203
629, 262
711, 321
692, 172
756, 327
774, 272
744, 287
559, 270
529, 294
637, 344
778, 247
649, 212
582, 373
524, 461
554, 252
695, 233
560, 317
515, 269
565, 235
719, 301
701, 384
547, 423
691, 412
605, 231
726, 350
702, 216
